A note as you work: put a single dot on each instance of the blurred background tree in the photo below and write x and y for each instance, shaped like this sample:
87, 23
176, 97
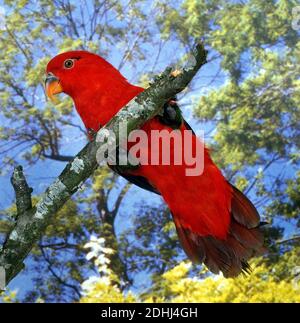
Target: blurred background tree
246, 99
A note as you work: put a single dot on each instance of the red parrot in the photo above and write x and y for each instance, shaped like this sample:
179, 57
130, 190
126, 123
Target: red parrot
216, 223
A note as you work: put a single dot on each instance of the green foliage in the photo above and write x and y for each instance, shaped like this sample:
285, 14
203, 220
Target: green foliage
289, 206
259, 287
9, 297
265, 284
152, 244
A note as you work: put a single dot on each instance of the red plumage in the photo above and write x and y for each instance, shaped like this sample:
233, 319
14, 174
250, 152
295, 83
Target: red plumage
215, 222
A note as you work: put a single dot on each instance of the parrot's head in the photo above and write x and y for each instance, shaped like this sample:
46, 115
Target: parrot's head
73, 73
97, 88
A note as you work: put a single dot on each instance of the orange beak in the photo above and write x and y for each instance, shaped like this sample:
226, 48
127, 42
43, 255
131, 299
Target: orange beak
52, 87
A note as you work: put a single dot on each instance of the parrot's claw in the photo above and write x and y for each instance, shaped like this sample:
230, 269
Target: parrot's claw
171, 115
92, 134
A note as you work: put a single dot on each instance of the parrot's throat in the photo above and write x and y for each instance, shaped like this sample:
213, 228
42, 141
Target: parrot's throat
97, 106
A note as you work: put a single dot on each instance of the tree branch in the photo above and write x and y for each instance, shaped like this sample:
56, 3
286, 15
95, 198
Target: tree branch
56, 276
288, 240
62, 158
120, 199
31, 223
22, 191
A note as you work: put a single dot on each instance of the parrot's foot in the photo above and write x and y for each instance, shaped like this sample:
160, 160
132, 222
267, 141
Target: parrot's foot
92, 134
171, 115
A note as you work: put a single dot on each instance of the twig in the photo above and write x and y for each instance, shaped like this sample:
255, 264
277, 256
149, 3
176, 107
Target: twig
293, 238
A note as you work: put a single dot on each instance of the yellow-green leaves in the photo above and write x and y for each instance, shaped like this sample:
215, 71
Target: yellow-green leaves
265, 284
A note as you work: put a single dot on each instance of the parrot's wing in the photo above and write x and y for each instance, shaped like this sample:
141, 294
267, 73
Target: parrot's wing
174, 120
137, 180
188, 127
141, 182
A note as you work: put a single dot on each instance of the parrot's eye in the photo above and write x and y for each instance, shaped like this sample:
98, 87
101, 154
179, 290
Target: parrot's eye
68, 63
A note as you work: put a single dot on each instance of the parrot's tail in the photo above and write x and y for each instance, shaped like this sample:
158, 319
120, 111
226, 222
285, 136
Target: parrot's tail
244, 240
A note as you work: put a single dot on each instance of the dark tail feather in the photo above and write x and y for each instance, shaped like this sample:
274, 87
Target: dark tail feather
242, 209
244, 241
